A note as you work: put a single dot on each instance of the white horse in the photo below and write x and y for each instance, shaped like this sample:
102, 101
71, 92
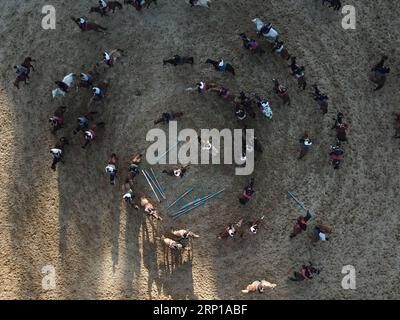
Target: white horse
69, 80
259, 286
203, 3
272, 33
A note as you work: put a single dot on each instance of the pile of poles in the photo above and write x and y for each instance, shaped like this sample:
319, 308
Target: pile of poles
154, 184
193, 204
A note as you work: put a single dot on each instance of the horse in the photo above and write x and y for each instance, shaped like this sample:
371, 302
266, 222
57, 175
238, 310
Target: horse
58, 152
259, 286
299, 73
252, 45
320, 232
224, 93
336, 155
110, 58
221, 65
139, 4
335, 4
306, 144
111, 6
202, 87
57, 119
281, 92
168, 116
300, 225
231, 230
306, 272
172, 244
128, 194
202, 3
246, 103
248, 191
91, 134
321, 99
397, 125
252, 227
149, 208
265, 29
280, 49
64, 85
111, 168
134, 166
89, 26
19, 79
179, 60
378, 76
184, 234
178, 171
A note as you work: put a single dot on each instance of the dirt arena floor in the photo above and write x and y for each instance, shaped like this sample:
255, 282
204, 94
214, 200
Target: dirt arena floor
76, 221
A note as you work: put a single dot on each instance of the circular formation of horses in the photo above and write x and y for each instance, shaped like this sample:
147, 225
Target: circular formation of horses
266, 40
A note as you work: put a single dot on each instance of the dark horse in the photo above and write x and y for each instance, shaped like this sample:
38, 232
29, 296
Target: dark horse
221, 66
139, 4
335, 4
89, 26
112, 5
306, 272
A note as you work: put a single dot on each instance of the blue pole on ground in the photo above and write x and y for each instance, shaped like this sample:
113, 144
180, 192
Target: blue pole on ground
180, 197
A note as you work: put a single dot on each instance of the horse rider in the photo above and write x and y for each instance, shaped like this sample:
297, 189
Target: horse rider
305, 273
111, 168
336, 155
86, 79
247, 192
320, 98
265, 29
89, 136
56, 122
97, 93
381, 64
58, 152
134, 168
201, 87
103, 4
177, 171
108, 60
221, 65
278, 46
21, 71
248, 43
306, 144
83, 123
240, 112
82, 23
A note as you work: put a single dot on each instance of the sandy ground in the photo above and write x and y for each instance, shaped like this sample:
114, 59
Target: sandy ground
74, 220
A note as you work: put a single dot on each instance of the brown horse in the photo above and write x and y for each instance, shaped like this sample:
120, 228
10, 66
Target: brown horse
112, 5
139, 4
281, 92
224, 93
306, 144
58, 152
149, 208
89, 26
134, 166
